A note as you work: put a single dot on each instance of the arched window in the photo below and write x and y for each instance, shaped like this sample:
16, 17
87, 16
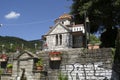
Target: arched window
62, 22
60, 39
56, 39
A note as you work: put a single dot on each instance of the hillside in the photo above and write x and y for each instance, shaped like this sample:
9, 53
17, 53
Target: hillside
13, 43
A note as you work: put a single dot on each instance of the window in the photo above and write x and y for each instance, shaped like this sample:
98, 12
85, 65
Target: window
77, 29
62, 22
56, 39
60, 39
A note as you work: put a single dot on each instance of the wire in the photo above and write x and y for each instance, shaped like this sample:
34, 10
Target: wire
35, 22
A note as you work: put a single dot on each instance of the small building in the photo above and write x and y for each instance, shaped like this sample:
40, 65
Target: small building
23, 67
65, 34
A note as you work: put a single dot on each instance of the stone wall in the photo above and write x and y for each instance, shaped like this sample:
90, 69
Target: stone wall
51, 41
81, 64
23, 64
6, 77
23, 67
76, 64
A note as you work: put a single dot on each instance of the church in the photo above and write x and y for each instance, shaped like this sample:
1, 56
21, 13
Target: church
64, 34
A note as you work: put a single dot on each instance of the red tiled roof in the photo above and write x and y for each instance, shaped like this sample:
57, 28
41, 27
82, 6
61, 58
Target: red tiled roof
3, 56
54, 53
65, 16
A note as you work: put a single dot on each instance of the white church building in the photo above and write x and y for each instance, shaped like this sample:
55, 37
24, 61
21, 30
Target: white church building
64, 34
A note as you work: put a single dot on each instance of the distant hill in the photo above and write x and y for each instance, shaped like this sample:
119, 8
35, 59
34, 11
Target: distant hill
9, 43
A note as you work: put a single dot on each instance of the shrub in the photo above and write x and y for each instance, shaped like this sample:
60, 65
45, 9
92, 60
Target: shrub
9, 65
39, 62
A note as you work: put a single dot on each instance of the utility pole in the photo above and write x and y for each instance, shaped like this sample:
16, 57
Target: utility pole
11, 45
87, 29
35, 45
22, 45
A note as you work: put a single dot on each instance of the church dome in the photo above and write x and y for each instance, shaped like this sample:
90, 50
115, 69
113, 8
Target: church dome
65, 16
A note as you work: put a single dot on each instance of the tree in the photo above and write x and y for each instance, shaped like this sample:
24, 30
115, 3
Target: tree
94, 39
101, 13
116, 65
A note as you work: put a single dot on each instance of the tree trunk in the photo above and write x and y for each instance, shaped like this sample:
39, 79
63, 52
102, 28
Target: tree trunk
116, 64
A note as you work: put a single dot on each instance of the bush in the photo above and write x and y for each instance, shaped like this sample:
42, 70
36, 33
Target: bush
0, 71
94, 39
62, 77
9, 65
40, 62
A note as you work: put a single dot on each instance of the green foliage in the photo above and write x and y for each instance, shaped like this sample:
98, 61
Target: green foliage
106, 15
17, 44
113, 53
0, 71
62, 77
39, 62
9, 65
94, 39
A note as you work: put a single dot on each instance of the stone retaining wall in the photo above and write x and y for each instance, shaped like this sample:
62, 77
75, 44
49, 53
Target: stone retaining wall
76, 64
82, 64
